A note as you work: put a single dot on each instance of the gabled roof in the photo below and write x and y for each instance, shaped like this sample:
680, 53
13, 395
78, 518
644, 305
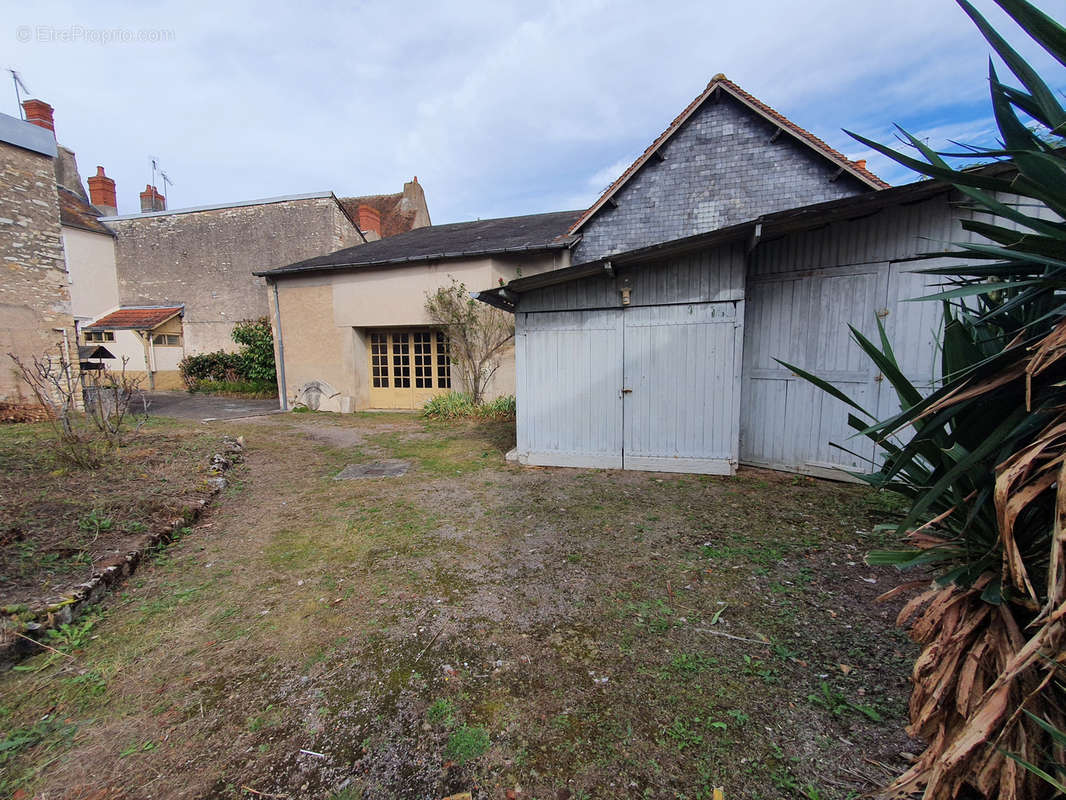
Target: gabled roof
535, 232
720, 83
138, 318
74, 212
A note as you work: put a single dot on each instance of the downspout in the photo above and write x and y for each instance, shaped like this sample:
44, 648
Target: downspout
281, 352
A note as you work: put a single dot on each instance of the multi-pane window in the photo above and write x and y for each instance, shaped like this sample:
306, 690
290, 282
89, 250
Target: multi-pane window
99, 336
401, 362
444, 363
422, 345
379, 360
167, 339
419, 355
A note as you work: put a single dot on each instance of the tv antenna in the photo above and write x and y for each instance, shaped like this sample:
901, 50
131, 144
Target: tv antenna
166, 182
17, 80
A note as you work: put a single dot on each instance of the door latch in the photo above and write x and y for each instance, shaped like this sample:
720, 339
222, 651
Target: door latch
627, 391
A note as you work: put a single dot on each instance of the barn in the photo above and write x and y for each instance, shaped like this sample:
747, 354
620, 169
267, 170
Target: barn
666, 357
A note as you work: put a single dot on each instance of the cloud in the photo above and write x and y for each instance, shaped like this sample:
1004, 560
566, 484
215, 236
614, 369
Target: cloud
499, 107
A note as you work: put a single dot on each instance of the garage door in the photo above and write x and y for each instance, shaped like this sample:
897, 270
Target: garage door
803, 319
648, 388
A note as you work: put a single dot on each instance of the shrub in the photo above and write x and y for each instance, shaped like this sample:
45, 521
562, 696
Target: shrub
257, 349
500, 408
459, 405
245, 372
453, 405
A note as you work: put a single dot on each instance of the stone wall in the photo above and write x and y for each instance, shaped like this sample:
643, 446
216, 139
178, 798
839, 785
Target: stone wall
719, 169
35, 310
204, 259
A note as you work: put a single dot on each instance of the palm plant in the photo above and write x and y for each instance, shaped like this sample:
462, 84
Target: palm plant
982, 459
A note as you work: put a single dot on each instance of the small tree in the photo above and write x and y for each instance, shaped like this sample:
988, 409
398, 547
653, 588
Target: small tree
84, 439
477, 333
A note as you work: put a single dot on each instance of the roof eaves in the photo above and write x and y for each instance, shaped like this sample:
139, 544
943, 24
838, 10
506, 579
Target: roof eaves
296, 269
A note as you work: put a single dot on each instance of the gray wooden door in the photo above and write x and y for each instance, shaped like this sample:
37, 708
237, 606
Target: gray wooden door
681, 388
803, 318
787, 423
569, 379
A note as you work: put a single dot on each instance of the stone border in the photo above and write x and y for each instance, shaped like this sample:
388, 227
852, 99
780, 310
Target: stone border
14, 648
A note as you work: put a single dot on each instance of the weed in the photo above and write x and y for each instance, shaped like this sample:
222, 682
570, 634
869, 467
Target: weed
837, 704
441, 711
467, 743
142, 747
691, 663
95, 523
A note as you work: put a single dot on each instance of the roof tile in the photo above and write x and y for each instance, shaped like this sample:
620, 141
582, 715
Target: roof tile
136, 318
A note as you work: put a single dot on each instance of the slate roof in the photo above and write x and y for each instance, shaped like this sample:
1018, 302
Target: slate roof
394, 219
74, 212
458, 240
139, 318
721, 82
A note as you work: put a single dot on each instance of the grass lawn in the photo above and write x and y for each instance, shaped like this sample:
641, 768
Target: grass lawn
476, 626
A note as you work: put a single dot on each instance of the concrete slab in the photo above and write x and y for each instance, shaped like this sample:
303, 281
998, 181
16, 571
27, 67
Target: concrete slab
205, 407
390, 468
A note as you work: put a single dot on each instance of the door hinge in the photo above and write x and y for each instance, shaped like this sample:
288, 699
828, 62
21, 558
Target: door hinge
880, 377
627, 391
884, 312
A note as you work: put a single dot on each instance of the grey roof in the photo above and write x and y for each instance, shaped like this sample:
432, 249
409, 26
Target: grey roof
458, 240
29, 137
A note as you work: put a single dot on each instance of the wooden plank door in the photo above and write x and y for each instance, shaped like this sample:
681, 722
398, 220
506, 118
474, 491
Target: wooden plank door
569, 372
681, 388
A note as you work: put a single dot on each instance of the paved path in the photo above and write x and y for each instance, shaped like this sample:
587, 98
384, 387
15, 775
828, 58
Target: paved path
201, 406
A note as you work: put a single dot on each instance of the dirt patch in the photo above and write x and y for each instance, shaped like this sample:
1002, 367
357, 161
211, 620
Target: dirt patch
476, 626
392, 468
59, 525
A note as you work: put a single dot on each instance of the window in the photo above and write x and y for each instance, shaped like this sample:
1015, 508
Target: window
444, 362
423, 353
401, 361
379, 360
99, 336
167, 339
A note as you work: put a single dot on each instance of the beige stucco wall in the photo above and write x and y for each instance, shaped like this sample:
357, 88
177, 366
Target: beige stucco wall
90, 260
325, 319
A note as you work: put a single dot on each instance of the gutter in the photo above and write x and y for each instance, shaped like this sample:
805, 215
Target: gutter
283, 271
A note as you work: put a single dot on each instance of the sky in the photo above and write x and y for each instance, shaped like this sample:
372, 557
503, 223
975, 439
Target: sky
500, 108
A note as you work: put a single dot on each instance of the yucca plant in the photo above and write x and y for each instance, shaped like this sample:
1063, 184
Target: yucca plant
982, 458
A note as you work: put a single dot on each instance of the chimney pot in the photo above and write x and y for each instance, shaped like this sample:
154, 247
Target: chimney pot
102, 193
39, 113
152, 200
369, 219
861, 163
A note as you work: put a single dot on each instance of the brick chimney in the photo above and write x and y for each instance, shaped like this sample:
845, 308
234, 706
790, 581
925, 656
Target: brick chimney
102, 193
39, 113
369, 220
861, 163
152, 200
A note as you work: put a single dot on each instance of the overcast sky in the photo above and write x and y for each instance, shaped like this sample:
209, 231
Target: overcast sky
498, 107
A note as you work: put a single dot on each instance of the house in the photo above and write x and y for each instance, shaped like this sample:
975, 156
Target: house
35, 307
668, 357
725, 158
125, 271
351, 329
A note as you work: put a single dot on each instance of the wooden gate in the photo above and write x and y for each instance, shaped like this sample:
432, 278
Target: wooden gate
408, 367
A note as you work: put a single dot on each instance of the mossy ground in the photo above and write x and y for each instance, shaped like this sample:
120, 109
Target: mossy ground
475, 626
